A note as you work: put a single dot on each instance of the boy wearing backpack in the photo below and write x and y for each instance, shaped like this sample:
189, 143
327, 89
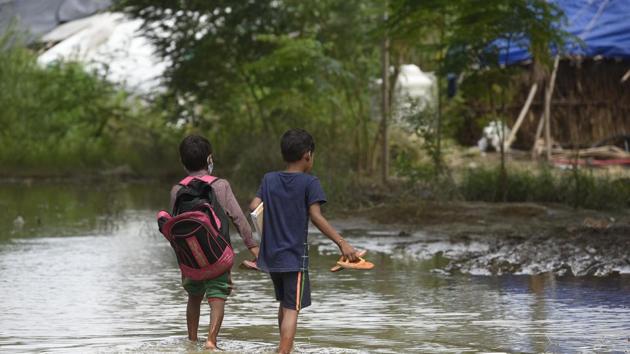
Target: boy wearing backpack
196, 155
290, 197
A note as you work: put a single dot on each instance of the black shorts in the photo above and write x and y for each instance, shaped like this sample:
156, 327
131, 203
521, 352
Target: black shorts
293, 289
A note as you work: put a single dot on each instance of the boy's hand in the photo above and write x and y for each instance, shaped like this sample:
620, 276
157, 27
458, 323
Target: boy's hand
348, 251
254, 251
254, 203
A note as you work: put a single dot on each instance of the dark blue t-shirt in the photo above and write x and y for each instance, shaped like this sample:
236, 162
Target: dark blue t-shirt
286, 197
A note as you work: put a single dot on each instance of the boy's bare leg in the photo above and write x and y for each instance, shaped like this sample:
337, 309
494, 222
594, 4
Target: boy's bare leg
288, 326
217, 309
280, 319
192, 315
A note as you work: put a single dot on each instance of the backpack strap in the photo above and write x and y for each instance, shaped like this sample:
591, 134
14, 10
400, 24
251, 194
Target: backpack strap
206, 178
217, 221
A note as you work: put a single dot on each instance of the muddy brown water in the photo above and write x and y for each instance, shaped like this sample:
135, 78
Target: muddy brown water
83, 269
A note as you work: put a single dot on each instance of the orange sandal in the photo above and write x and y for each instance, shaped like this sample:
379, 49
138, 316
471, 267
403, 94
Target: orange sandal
336, 268
339, 267
361, 264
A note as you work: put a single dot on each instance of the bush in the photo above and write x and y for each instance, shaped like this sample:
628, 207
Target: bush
576, 188
61, 119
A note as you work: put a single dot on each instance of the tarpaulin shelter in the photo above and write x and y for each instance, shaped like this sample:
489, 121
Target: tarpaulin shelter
602, 25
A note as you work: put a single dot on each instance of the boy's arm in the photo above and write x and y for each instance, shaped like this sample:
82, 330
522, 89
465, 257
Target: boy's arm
174, 191
254, 203
322, 224
234, 212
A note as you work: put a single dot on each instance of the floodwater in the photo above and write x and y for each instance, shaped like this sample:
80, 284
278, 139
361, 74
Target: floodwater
83, 269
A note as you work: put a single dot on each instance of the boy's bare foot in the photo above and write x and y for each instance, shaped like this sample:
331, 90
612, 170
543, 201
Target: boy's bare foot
211, 345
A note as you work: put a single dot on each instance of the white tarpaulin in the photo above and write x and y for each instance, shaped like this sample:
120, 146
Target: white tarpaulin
110, 44
414, 91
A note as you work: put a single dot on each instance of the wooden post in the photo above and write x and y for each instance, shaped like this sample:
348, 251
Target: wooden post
548, 95
541, 123
521, 116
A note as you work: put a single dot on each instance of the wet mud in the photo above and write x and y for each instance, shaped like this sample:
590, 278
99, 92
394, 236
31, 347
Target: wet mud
515, 238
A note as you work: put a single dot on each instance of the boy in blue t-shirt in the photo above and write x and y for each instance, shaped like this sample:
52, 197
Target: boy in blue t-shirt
290, 197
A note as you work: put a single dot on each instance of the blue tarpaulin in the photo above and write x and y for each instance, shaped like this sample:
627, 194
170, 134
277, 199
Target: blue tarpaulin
602, 25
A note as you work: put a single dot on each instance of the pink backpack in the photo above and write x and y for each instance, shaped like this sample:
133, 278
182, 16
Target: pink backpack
198, 230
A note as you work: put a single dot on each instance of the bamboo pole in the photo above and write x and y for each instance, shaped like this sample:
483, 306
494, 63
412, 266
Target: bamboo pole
548, 95
521, 116
539, 129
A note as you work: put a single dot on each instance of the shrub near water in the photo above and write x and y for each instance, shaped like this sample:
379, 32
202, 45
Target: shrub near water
61, 118
579, 189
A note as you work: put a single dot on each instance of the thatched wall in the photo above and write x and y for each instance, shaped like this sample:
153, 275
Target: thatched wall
589, 104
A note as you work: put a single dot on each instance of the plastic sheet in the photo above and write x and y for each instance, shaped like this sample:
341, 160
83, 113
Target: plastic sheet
602, 25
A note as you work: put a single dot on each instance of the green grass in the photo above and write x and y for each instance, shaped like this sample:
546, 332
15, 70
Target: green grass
579, 189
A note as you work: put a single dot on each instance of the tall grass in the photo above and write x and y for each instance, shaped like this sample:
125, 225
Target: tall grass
579, 189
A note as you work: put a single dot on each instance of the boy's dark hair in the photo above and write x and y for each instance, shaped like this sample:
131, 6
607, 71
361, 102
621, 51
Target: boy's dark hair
294, 143
194, 151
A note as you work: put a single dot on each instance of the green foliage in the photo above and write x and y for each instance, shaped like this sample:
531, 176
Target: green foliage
422, 122
424, 180
415, 172
257, 68
252, 69
463, 34
62, 119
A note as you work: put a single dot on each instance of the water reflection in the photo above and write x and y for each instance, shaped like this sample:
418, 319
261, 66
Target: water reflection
70, 209
95, 277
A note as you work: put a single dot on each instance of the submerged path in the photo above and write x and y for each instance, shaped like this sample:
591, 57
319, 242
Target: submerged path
86, 271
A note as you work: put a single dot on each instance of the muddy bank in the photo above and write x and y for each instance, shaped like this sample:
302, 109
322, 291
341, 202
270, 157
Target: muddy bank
494, 239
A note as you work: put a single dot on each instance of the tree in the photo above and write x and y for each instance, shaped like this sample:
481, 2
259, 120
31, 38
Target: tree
255, 68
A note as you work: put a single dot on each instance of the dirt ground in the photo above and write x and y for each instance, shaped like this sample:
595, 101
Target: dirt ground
518, 238
497, 217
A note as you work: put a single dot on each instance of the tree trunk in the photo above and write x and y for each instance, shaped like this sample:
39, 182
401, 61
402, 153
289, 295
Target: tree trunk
385, 107
437, 159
